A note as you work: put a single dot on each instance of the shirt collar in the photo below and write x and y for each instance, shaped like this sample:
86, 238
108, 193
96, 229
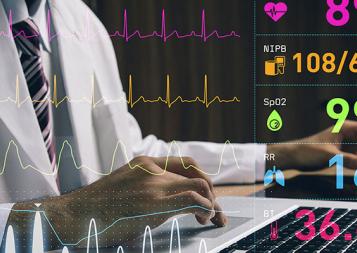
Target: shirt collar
20, 13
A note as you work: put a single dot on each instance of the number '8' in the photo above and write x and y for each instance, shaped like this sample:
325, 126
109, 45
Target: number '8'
338, 8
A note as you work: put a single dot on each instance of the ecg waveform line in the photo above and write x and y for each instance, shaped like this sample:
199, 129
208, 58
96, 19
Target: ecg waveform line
126, 35
169, 101
131, 101
10, 241
274, 12
118, 145
164, 35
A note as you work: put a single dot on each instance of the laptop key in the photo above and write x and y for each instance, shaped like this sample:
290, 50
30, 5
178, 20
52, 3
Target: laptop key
338, 212
315, 243
304, 250
352, 248
269, 245
284, 248
328, 250
320, 212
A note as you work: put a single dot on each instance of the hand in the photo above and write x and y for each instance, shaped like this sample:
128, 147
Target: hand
316, 155
129, 199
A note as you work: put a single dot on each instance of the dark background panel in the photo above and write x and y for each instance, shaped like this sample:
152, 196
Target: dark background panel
304, 113
228, 64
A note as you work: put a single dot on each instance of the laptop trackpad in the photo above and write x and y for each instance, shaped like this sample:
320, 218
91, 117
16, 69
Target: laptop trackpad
190, 231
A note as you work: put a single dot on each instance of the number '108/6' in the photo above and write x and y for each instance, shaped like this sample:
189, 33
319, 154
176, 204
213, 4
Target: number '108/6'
338, 9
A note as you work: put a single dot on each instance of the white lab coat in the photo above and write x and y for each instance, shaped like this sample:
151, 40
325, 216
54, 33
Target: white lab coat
97, 130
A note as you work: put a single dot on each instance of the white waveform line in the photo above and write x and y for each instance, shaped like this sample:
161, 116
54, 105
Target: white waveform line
10, 246
92, 223
175, 223
37, 244
148, 230
114, 155
203, 246
120, 249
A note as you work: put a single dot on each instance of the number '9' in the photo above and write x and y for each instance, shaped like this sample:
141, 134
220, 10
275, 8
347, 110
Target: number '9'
339, 115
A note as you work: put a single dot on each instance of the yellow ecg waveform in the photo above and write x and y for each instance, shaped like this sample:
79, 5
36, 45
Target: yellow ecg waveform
170, 101
118, 145
131, 101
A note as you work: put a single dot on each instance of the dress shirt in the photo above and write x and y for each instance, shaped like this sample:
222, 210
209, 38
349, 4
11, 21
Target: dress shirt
62, 129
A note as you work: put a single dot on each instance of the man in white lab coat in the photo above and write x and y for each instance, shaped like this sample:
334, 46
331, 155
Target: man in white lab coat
105, 169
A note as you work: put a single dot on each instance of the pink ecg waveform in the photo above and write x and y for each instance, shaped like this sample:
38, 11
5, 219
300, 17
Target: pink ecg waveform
127, 35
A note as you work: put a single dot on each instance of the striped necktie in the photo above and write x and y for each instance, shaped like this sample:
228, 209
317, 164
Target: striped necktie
27, 40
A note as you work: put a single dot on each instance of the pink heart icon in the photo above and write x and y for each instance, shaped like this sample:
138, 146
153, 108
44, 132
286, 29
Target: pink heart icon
275, 10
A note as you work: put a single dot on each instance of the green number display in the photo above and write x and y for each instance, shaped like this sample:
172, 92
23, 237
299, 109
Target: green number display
339, 114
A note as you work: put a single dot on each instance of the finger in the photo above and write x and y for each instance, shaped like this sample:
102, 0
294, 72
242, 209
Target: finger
198, 185
219, 219
350, 160
192, 202
349, 130
184, 166
145, 164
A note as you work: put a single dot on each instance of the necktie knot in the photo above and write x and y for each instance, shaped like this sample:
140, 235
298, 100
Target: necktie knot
28, 34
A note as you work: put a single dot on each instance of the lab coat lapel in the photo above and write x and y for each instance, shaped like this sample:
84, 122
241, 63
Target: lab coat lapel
19, 116
78, 76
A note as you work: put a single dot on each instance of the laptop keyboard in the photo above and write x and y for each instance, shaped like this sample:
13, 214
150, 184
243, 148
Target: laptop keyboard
287, 226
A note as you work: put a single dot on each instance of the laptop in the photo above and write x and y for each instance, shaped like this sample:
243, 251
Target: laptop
274, 222
256, 225
265, 224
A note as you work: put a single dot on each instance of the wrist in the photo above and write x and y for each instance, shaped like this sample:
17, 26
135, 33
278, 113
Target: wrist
22, 219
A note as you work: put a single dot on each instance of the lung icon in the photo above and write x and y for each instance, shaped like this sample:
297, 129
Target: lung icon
279, 177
